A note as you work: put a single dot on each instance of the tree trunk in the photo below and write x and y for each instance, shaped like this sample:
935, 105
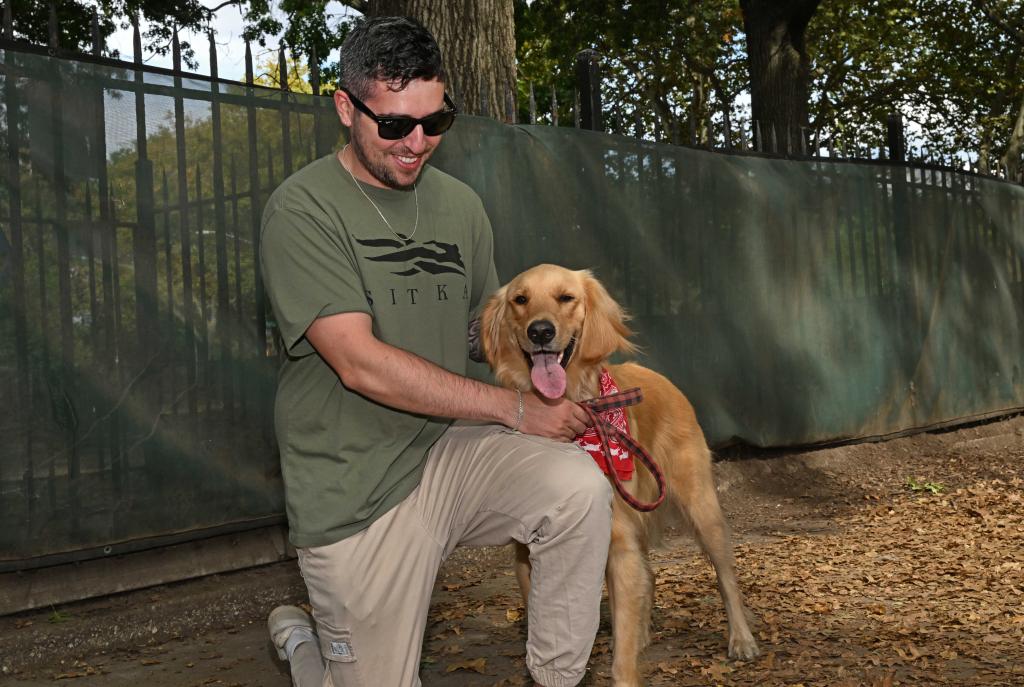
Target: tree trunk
779, 68
1011, 159
478, 44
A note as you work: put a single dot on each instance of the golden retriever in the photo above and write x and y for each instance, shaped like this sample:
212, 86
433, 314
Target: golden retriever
561, 318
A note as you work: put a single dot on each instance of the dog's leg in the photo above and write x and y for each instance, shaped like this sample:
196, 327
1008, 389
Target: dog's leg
523, 568
700, 503
630, 594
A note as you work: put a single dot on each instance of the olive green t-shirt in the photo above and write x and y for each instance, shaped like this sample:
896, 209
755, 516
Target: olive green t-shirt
325, 249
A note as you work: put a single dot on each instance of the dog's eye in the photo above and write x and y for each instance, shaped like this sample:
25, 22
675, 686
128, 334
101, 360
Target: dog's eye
566, 298
520, 299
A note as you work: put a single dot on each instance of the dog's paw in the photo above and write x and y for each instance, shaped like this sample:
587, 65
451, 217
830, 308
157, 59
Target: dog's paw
743, 646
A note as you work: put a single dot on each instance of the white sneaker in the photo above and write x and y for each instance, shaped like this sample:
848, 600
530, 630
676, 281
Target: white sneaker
282, 622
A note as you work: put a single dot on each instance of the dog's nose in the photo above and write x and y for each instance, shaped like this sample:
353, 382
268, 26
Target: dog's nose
541, 332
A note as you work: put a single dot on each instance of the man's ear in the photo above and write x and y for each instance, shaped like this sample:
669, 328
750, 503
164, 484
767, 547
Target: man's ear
343, 106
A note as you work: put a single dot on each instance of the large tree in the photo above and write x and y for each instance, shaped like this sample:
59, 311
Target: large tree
477, 41
779, 66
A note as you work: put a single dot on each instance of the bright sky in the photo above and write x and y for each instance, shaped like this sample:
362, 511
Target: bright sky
230, 46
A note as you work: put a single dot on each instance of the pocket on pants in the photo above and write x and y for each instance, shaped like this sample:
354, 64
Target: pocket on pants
340, 655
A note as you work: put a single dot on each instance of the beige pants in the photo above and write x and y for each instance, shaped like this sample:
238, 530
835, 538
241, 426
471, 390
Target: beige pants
483, 485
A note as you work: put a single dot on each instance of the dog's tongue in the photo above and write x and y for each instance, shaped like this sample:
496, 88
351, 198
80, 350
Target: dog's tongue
547, 375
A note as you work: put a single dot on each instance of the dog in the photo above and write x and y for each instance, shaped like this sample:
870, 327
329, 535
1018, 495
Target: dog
552, 330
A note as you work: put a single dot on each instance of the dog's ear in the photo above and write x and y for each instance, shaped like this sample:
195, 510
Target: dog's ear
491, 320
604, 325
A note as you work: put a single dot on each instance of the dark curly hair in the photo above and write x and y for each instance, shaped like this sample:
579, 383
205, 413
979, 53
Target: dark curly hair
391, 49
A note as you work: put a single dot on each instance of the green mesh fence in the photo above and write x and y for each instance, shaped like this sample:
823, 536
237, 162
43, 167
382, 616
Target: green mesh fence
794, 302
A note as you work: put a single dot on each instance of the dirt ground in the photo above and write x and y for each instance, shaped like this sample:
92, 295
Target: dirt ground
896, 563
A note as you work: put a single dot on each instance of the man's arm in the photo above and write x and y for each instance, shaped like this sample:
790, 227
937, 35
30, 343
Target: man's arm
399, 379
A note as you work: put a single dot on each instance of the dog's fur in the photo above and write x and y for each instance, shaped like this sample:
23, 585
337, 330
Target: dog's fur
665, 424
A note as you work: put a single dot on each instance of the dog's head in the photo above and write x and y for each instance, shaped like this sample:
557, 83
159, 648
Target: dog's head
551, 328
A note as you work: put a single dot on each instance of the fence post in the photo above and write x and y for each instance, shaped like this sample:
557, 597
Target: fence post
97, 41
726, 128
896, 142
144, 259
554, 106
904, 272
485, 101
286, 119
225, 328
510, 105
8, 22
588, 83
53, 26
533, 106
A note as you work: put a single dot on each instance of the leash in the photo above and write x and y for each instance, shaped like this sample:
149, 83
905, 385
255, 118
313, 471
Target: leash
630, 397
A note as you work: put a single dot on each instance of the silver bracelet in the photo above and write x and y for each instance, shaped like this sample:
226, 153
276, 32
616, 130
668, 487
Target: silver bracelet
522, 411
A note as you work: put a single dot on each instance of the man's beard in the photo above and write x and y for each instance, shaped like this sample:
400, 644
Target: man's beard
379, 171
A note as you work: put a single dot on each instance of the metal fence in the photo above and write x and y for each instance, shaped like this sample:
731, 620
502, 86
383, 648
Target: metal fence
137, 354
135, 311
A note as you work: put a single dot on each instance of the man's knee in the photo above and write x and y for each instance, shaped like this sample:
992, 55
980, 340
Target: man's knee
582, 488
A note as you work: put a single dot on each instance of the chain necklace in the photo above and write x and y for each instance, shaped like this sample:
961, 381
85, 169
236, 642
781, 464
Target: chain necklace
359, 186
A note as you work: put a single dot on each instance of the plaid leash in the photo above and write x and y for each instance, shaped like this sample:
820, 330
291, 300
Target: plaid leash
630, 397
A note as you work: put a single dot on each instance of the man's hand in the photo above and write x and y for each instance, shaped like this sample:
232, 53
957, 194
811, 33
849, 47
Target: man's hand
559, 419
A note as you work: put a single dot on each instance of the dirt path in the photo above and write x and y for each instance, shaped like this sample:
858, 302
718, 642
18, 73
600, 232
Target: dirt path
877, 564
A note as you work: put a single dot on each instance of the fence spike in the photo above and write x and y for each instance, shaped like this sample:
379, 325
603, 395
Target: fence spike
175, 49
8, 22
588, 88
282, 64
213, 55
137, 43
554, 106
726, 129
248, 64
576, 107
510, 105
97, 40
314, 70
54, 26
533, 106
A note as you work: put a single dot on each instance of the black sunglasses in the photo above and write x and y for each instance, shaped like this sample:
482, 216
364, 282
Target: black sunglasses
395, 128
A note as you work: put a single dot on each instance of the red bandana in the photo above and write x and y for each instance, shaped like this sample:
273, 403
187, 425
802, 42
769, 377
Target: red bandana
590, 442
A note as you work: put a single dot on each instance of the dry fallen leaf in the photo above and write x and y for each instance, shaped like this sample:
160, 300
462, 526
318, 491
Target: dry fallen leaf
477, 665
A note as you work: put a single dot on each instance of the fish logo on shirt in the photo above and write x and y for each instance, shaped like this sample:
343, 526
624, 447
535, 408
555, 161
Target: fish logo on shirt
432, 257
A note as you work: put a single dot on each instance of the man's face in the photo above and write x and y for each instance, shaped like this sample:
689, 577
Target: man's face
384, 163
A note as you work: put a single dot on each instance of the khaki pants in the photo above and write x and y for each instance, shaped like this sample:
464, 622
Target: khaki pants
483, 485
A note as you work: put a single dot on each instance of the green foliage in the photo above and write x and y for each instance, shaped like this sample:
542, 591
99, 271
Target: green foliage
57, 617
664, 64
946, 67
672, 69
922, 485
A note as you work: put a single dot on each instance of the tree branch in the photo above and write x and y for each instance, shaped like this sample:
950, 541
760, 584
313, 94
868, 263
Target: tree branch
358, 5
1015, 32
213, 10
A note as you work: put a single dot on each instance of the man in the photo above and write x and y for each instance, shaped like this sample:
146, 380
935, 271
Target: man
374, 263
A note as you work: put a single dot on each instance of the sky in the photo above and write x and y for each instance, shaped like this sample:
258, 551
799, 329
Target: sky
230, 46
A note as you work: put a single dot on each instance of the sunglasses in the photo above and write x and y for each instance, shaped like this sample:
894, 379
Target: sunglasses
395, 128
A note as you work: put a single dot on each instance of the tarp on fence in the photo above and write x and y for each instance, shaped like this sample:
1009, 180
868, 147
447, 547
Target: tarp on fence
794, 302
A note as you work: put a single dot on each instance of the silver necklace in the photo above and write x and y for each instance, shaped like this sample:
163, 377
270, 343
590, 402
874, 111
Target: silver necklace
359, 186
